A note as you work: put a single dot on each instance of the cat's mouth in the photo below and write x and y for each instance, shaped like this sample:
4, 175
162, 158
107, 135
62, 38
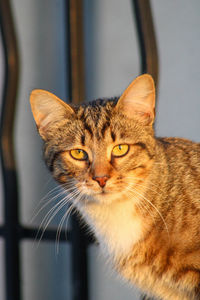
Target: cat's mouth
101, 192
93, 190
104, 195
104, 192
95, 193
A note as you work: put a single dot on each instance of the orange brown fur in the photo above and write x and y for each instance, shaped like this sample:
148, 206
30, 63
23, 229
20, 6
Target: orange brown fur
147, 215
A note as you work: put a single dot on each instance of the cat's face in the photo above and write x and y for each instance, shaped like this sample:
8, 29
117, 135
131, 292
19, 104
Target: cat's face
101, 150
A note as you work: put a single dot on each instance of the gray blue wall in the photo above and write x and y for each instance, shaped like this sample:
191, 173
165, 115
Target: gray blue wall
112, 61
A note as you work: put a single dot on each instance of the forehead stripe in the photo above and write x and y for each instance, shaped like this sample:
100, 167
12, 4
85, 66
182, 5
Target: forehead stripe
105, 126
83, 140
88, 128
113, 136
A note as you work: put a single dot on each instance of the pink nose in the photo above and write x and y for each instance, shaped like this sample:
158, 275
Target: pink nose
101, 180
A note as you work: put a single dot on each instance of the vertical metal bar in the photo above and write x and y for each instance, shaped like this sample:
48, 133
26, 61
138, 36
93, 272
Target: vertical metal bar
146, 38
148, 46
77, 95
79, 262
76, 53
12, 261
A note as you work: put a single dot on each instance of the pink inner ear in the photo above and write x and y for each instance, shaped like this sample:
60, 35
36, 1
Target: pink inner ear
138, 100
45, 105
39, 117
47, 108
138, 112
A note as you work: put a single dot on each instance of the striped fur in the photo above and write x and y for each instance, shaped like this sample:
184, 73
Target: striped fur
147, 216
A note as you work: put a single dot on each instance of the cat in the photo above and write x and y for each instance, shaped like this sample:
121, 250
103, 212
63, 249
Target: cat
139, 194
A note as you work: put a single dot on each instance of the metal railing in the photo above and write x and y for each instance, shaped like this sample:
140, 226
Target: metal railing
12, 231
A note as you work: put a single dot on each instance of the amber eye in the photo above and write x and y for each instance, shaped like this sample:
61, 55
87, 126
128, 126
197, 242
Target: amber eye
79, 154
120, 150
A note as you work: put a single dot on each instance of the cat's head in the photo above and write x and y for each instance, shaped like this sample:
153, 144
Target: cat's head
101, 149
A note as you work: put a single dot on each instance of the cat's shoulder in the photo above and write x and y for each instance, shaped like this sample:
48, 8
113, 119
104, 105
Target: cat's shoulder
178, 146
177, 142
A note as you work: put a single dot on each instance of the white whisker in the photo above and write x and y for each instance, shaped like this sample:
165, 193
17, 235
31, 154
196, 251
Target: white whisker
50, 201
44, 199
65, 217
141, 205
53, 211
142, 180
148, 201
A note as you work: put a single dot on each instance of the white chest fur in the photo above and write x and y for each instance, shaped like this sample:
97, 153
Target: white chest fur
116, 225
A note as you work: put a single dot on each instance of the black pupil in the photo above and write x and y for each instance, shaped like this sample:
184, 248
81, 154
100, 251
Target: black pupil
120, 147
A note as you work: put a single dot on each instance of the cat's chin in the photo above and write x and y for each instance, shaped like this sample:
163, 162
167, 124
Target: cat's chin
105, 197
97, 196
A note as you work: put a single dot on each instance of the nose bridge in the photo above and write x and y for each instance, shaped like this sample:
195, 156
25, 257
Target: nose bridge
100, 164
100, 171
100, 168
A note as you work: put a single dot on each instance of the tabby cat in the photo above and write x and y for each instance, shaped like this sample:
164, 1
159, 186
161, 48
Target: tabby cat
139, 194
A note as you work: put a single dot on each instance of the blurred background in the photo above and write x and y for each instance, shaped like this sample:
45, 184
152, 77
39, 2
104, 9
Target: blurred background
112, 59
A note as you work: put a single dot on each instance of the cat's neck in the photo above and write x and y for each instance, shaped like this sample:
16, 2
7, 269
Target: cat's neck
117, 226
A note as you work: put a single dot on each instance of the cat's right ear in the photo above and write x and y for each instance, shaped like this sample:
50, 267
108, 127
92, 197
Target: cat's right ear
48, 109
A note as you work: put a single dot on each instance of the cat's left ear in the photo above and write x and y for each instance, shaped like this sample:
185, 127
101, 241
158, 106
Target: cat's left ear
138, 100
